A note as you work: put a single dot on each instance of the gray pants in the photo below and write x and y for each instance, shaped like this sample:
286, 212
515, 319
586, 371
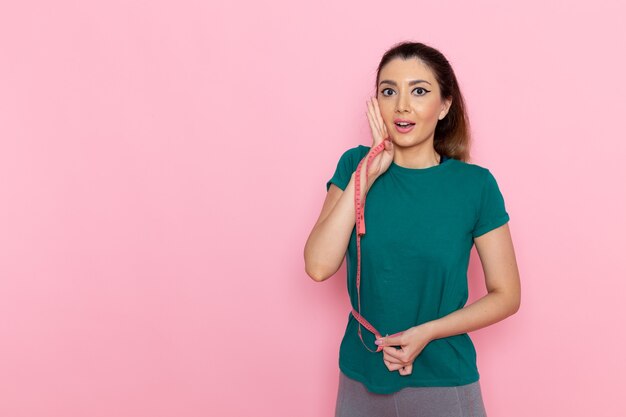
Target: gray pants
354, 400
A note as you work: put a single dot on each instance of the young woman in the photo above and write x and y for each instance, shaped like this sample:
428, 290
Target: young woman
426, 207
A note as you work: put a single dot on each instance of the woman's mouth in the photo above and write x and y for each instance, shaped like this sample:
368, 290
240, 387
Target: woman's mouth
403, 127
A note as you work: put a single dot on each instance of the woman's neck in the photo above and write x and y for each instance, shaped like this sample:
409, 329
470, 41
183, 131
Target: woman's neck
416, 157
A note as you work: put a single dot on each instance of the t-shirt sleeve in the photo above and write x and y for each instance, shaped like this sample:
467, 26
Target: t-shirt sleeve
345, 167
492, 211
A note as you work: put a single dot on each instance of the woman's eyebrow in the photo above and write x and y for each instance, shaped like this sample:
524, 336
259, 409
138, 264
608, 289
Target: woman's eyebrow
410, 82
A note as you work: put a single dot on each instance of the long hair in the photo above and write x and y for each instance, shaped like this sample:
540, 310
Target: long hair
452, 133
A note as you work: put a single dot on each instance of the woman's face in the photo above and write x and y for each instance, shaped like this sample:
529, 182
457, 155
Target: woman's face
407, 90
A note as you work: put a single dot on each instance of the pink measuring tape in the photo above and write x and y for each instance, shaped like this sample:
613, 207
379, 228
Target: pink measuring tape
360, 230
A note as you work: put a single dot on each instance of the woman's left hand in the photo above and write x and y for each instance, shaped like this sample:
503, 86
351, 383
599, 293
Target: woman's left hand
412, 341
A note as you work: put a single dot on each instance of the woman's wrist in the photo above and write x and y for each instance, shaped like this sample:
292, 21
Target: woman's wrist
429, 329
370, 179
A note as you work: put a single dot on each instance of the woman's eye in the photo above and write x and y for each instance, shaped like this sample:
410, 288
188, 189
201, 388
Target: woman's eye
385, 89
422, 89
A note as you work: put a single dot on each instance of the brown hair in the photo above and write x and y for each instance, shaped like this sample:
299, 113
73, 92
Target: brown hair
452, 133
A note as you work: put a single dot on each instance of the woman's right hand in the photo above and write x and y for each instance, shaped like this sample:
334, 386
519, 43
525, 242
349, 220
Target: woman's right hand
380, 163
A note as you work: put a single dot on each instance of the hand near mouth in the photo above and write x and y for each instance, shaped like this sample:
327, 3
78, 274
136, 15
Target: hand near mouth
380, 163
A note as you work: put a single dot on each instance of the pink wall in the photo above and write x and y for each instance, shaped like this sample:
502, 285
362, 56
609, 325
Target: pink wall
162, 163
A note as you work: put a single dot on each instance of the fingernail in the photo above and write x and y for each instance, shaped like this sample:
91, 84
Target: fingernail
379, 341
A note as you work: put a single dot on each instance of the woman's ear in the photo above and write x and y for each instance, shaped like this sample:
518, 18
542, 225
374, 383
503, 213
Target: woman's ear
444, 110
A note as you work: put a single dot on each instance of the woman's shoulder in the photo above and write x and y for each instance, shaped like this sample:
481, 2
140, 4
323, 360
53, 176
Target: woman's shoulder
361, 150
474, 173
355, 150
352, 156
471, 167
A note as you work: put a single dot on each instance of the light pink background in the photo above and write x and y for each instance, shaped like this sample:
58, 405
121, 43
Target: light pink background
162, 163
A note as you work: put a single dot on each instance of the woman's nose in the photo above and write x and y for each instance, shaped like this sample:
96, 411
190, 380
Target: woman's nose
403, 102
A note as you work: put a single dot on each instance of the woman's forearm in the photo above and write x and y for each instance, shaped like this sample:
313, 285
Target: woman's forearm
327, 244
492, 308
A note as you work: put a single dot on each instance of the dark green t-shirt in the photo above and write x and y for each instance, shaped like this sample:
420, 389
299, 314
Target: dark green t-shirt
420, 225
